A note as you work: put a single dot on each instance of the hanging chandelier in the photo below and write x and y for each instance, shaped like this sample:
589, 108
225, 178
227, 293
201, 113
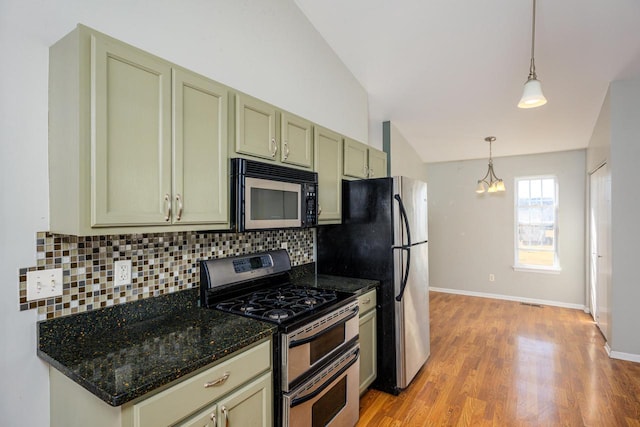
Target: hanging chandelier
532, 95
490, 182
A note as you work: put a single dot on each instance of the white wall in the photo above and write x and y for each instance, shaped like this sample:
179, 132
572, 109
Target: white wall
403, 157
265, 48
472, 236
625, 227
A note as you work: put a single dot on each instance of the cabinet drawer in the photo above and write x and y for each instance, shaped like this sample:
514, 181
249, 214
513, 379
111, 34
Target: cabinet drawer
186, 397
367, 302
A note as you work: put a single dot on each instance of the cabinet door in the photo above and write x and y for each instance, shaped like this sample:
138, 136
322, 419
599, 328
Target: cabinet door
200, 179
297, 141
377, 163
255, 127
131, 145
355, 159
206, 418
368, 346
328, 161
249, 406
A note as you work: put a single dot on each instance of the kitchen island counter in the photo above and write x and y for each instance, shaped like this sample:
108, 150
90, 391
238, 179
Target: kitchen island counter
122, 352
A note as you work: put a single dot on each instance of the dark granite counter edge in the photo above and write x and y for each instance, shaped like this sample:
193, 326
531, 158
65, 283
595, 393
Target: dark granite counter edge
143, 389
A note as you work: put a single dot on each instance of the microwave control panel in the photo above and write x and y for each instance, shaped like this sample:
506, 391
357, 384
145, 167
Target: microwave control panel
310, 216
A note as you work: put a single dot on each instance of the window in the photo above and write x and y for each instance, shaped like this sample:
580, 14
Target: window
536, 223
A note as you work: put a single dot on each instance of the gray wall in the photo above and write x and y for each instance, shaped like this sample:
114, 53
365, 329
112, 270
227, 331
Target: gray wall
472, 236
625, 226
267, 49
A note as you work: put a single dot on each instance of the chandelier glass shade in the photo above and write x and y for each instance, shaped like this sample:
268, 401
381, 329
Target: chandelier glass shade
490, 182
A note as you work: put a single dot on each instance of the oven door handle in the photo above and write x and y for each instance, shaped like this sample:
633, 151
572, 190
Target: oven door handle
301, 400
296, 343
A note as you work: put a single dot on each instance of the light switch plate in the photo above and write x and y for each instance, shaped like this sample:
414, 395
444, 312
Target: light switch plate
44, 284
122, 272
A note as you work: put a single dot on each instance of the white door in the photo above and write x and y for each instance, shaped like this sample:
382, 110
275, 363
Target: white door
600, 261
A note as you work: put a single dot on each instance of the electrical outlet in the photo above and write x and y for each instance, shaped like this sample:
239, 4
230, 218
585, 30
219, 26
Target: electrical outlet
122, 273
492, 278
44, 284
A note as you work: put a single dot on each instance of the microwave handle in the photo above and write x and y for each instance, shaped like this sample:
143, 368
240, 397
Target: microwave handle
301, 400
305, 340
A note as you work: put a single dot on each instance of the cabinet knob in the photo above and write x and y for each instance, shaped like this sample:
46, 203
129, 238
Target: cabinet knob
167, 203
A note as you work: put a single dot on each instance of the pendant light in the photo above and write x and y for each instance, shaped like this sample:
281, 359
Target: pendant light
490, 182
532, 95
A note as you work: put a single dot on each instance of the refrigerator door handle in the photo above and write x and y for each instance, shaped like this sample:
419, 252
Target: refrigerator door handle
406, 247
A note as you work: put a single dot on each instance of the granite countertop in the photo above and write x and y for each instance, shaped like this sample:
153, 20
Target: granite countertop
122, 352
307, 277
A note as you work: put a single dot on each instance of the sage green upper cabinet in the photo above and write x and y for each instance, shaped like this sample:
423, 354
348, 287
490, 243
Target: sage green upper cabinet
362, 161
136, 144
355, 159
255, 128
131, 145
328, 164
377, 163
200, 187
263, 131
296, 140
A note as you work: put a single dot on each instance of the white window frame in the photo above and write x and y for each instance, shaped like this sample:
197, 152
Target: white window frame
555, 268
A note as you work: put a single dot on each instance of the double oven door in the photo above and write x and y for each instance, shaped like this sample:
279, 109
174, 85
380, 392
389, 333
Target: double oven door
320, 370
329, 398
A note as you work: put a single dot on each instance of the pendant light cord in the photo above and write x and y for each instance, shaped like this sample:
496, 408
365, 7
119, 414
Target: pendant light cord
532, 67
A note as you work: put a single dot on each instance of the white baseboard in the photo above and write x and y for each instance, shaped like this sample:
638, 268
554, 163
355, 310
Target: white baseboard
623, 356
508, 298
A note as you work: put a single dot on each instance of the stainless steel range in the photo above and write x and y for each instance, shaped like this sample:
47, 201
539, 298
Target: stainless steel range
316, 351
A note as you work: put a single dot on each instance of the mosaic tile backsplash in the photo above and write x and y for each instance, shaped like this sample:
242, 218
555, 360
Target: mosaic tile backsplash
160, 263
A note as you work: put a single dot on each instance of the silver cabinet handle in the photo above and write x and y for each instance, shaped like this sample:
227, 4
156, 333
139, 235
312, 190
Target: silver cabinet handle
219, 381
225, 412
180, 207
319, 210
366, 171
286, 150
213, 419
274, 146
167, 203
366, 301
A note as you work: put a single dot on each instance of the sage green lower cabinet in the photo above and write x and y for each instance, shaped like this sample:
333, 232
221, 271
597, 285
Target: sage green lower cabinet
368, 340
235, 391
328, 164
249, 406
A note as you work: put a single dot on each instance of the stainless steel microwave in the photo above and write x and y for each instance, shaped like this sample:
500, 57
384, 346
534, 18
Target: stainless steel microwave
265, 196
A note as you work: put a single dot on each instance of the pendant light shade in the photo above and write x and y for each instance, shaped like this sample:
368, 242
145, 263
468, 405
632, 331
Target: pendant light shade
532, 95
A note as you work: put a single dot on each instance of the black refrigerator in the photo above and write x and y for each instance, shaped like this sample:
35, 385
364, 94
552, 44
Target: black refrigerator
384, 236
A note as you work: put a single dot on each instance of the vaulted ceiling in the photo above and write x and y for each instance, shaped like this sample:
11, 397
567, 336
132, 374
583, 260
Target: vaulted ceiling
447, 73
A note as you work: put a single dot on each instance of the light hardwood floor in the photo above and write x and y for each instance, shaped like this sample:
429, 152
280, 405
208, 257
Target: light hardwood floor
502, 363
